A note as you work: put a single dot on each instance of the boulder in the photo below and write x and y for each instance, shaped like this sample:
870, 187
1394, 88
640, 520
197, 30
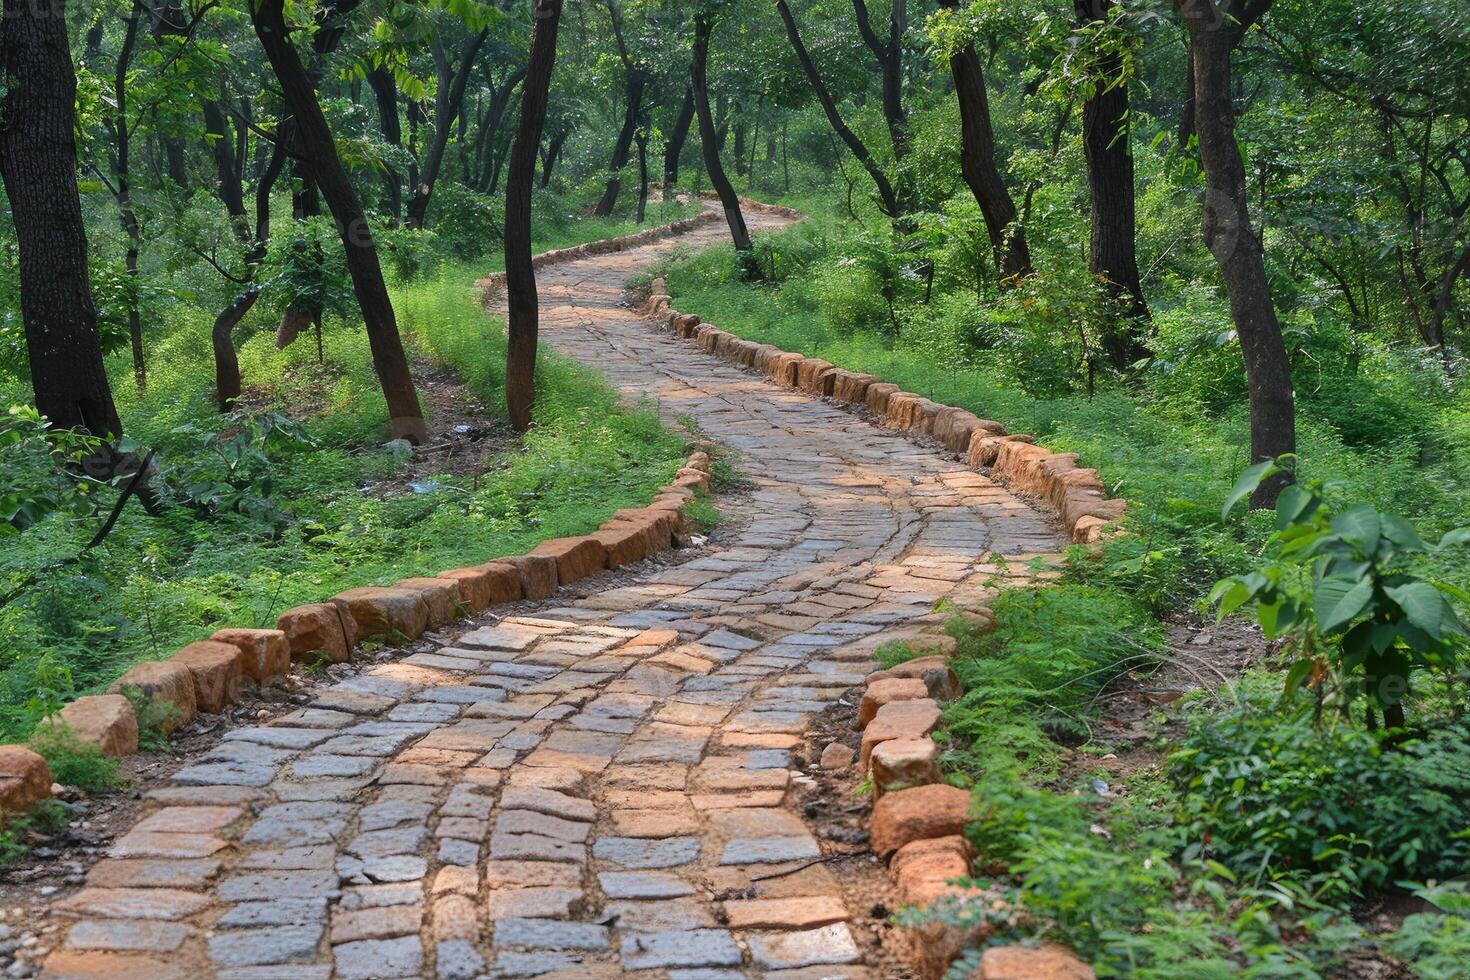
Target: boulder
319, 629
887, 690
902, 762
264, 654
901, 719
918, 813
925, 868
441, 595
477, 585
837, 756
624, 545
392, 612
576, 558
942, 683
1031, 963
217, 672
537, 572
850, 386
162, 682
814, 375
877, 396
104, 720
25, 779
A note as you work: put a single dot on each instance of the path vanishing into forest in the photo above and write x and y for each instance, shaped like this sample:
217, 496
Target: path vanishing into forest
592, 786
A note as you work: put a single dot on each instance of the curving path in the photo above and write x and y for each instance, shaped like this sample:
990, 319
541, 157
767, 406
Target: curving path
585, 790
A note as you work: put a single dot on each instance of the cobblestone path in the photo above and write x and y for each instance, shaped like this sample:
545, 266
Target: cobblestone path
593, 789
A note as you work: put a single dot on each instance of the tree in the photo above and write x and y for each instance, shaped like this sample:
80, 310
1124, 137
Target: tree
523, 313
977, 162
710, 142
635, 79
1105, 125
319, 150
448, 100
38, 161
1216, 28
675, 142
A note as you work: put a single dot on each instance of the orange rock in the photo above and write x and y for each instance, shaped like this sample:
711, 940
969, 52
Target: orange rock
216, 670
919, 813
104, 720
96, 965
474, 585
1013, 459
901, 762
537, 572
685, 325
878, 394
814, 375
264, 654
886, 691
985, 447
624, 545
25, 779
323, 628
1032, 963
440, 595
805, 912
942, 683
782, 367
400, 612
1089, 503
901, 719
955, 428
163, 682
576, 558
1088, 529
850, 386
925, 868
903, 410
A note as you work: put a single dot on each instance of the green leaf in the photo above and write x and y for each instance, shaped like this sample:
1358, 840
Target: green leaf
1402, 533
1459, 536
1250, 478
1299, 672
1361, 524
1295, 505
1336, 600
1426, 608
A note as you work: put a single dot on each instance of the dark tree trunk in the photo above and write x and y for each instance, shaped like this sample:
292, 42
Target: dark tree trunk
230, 182
675, 145
487, 140
226, 364
520, 276
889, 53
447, 102
642, 174
977, 165
703, 28
406, 418
122, 189
738, 151
38, 160
1186, 107
1215, 30
385, 91
1114, 260
885, 189
622, 149
549, 156
171, 20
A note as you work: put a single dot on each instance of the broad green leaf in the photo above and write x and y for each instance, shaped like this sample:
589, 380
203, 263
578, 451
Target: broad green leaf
1402, 533
1250, 478
1298, 673
1360, 524
1295, 505
1336, 600
1459, 536
1426, 608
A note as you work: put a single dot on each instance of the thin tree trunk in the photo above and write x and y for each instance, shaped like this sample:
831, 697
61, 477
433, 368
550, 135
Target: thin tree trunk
622, 149
447, 101
675, 145
889, 54
229, 181
885, 189
121, 167
520, 276
642, 139
1114, 261
226, 365
38, 161
550, 156
703, 28
385, 91
1215, 30
977, 165
406, 418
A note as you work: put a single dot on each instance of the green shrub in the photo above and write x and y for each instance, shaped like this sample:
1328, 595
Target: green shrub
1437, 943
72, 762
1264, 791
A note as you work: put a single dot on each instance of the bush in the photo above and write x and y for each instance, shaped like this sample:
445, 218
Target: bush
72, 762
1261, 788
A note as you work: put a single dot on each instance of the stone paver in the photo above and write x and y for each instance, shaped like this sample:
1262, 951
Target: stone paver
596, 783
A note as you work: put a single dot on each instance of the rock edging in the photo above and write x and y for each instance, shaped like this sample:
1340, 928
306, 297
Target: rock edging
209, 675
1076, 493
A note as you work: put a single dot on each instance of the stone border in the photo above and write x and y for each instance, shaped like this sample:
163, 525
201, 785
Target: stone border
208, 676
1077, 494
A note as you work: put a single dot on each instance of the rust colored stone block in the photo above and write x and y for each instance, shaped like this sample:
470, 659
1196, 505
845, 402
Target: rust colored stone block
319, 629
474, 585
901, 719
624, 545
576, 558
104, 720
265, 654
886, 691
925, 868
1032, 963
919, 813
849, 386
216, 670
25, 779
538, 574
440, 595
162, 681
878, 394
391, 612
902, 762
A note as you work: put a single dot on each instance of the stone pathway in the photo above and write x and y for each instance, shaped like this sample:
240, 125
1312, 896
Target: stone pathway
590, 790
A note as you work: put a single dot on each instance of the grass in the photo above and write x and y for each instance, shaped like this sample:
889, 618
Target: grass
158, 583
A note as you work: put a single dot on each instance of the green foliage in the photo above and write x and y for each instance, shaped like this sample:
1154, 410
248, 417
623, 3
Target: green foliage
17, 829
1437, 943
40, 471
1268, 793
1339, 590
72, 762
153, 717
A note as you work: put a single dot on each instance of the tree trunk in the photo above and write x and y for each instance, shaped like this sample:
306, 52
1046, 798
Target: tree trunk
1215, 29
889, 54
406, 418
520, 276
38, 161
447, 101
675, 145
635, 77
977, 165
642, 138
226, 364
230, 183
1114, 261
171, 20
550, 156
886, 193
121, 169
703, 28
738, 152
385, 91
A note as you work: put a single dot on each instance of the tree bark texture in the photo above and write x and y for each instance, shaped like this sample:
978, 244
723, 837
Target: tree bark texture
699, 81
675, 145
447, 101
520, 276
635, 77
